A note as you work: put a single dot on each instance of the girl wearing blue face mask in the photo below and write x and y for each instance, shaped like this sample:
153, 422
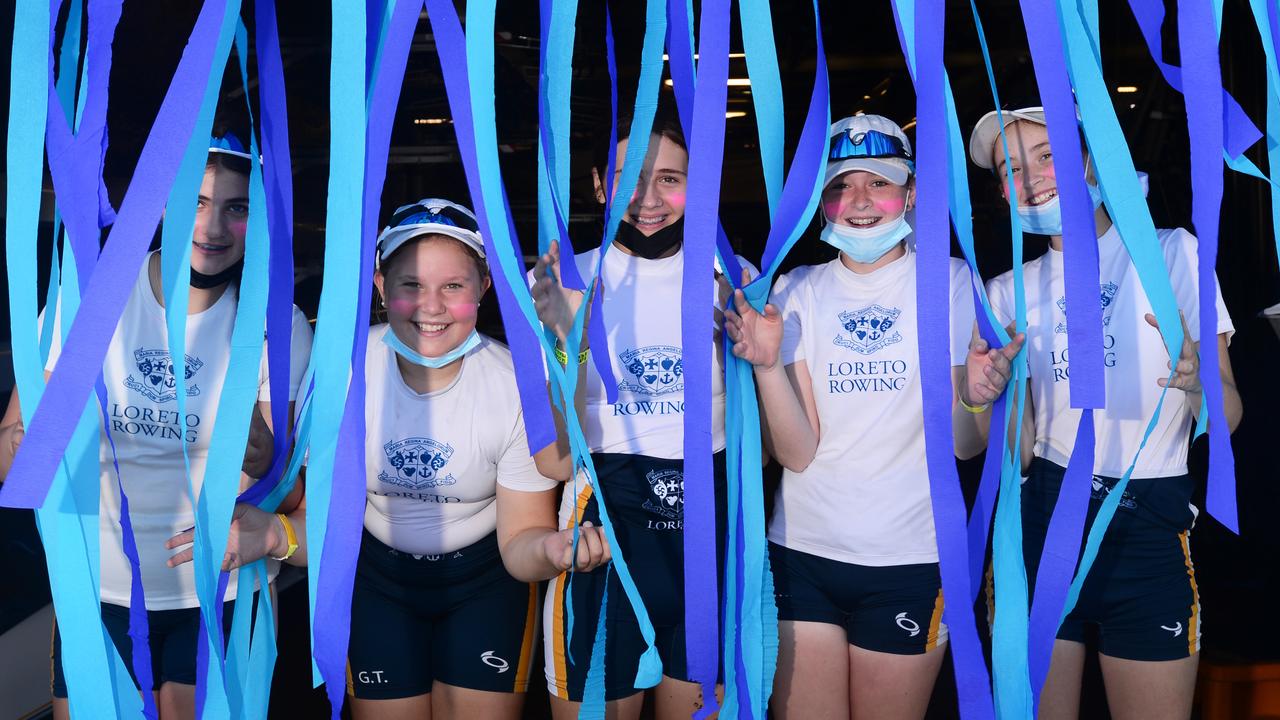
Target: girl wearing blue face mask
836, 361
1140, 593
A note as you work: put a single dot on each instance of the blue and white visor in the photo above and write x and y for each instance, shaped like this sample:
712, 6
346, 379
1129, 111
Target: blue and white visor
229, 144
872, 143
430, 216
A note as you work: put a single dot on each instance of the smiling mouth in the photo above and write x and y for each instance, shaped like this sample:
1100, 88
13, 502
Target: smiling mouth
1043, 197
863, 221
648, 221
430, 329
211, 248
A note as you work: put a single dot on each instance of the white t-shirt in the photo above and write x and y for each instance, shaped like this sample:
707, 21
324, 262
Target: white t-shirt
864, 499
142, 410
433, 461
1135, 357
642, 318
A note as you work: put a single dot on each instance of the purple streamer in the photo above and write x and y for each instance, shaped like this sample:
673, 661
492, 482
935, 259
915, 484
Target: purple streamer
1060, 554
81, 360
1198, 39
1238, 130
933, 236
706, 157
1080, 249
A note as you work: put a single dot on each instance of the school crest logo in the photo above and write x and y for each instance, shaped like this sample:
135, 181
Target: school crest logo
158, 382
869, 329
416, 463
668, 493
1108, 297
654, 369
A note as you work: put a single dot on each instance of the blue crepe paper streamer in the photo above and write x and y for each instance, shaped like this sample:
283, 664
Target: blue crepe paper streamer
487, 192
337, 320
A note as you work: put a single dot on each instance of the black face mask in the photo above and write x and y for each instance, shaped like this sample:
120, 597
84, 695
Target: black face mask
652, 246
200, 281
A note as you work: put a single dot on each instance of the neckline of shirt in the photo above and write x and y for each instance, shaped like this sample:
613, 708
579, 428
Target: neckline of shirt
398, 379
880, 277
153, 306
1108, 243
617, 259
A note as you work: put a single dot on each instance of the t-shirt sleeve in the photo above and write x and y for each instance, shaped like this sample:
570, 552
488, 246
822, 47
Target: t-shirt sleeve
299, 358
55, 342
786, 296
516, 469
962, 311
1184, 273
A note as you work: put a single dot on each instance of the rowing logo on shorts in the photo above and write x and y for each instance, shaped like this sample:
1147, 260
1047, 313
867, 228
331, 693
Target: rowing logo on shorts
1108, 296
416, 463
655, 370
1101, 490
668, 493
870, 329
158, 383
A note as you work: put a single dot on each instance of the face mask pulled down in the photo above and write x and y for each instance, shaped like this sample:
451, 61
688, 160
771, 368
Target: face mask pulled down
650, 247
866, 244
1046, 218
391, 340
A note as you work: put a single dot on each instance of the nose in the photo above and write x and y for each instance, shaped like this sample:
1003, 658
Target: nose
432, 302
647, 194
860, 197
213, 227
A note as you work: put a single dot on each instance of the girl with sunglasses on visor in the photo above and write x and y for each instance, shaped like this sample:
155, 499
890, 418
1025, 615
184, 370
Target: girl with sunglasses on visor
836, 358
144, 436
637, 444
459, 523
1140, 593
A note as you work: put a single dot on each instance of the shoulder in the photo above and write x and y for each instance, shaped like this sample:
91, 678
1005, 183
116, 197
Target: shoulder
494, 359
801, 277
961, 278
1177, 244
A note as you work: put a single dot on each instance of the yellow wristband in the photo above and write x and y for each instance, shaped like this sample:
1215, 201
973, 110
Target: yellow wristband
969, 408
290, 536
563, 358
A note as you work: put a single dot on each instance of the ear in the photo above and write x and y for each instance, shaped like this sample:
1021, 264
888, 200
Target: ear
484, 287
598, 184
378, 280
911, 193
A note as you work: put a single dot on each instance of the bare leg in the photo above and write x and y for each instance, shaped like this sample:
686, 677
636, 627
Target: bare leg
1060, 698
813, 672
176, 701
1138, 689
886, 686
450, 702
417, 707
627, 708
679, 699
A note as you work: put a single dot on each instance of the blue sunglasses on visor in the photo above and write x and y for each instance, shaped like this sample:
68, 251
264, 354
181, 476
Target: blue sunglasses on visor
417, 215
868, 144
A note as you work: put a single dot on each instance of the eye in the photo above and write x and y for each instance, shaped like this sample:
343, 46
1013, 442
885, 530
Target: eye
669, 180
879, 183
411, 284
238, 209
454, 286
1015, 170
1046, 157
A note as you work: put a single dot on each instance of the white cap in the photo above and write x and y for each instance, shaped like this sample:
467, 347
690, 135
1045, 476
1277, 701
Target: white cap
895, 164
986, 133
430, 216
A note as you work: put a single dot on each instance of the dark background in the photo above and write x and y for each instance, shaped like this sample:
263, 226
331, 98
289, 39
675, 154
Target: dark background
1238, 578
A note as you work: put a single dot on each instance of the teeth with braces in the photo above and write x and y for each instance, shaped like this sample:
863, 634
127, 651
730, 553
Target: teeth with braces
430, 327
650, 221
1044, 197
863, 221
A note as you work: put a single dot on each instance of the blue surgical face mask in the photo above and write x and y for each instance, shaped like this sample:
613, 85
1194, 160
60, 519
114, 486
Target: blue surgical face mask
866, 244
1046, 219
391, 340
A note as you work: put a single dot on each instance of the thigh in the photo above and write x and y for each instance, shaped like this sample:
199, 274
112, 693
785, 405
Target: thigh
676, 699
389, 654
889, 686
417, 707
177, 701
1060, 696
449, 702
812, 679
1142, 690
1150, 601
627, 708
485, 642
568, 647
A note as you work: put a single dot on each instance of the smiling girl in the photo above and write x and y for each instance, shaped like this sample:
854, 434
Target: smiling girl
836, 359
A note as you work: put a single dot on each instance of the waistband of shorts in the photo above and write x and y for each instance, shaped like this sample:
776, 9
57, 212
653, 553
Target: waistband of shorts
471, 561
1163, 499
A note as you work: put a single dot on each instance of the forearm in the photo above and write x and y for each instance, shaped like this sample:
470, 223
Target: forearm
524, 558
1232, 407
791, 437
970, 429
556, 461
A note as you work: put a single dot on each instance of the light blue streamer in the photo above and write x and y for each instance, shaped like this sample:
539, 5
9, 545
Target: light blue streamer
553, 162
336, 320
68, 519
480, 53
766, 92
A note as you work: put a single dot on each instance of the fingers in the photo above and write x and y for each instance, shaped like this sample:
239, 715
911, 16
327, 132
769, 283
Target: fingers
182, 557
771, 312
740, 303
591, 547
746, 276
186, 537
1014, 346
1151, 320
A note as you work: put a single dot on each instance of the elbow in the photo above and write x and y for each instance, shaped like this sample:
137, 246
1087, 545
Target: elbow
560, 470
795, 462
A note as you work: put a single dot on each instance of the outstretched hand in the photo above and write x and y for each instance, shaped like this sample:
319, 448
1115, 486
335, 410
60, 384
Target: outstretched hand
1186, 375
556, 305
987, 370
757, 337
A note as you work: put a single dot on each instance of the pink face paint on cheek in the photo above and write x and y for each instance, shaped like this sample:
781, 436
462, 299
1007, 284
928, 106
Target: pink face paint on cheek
238, 227
401, 307
463, 310
676, 199
891, 207
832, 208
